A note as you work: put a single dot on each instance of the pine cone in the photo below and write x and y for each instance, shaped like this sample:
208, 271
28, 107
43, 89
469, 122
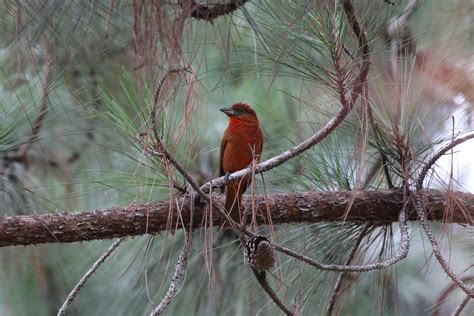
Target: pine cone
259, 253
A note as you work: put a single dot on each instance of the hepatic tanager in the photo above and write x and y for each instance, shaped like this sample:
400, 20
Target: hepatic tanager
241, 144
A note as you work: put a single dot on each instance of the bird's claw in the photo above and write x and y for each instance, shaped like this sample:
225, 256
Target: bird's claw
226, 178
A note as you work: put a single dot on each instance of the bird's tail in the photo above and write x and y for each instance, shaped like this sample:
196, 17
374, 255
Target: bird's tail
233, 200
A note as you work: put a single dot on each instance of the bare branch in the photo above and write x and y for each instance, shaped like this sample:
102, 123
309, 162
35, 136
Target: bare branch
404, 247
461, 306
70, 298
262, 280
180, 269
379, 207
43, 105
421, 212
400, 36
445, 293
178, 276
44, 97
337, 287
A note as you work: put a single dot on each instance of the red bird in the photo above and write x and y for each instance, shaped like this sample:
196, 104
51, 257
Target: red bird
241, 144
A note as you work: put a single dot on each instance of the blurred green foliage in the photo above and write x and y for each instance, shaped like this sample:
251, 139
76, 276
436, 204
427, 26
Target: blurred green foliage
274, 55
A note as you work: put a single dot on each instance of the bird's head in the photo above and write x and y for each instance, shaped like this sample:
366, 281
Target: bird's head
241, 112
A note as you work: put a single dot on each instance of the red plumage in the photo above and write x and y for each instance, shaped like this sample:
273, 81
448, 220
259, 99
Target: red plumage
241, 144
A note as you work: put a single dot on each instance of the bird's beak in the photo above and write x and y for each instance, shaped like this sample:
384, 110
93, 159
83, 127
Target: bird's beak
229, 112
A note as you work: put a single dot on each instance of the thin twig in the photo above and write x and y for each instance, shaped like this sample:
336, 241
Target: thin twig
421, 212
461, 306
45, 96
337, 287
180, 269
72, 295
43, 104
445, 293
262, 280
107, 21
378, 139
404, 247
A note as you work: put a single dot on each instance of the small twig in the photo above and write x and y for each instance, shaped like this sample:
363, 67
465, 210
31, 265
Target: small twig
180, 269
461, 306
445, 293
72, 295
378, 137
397, 27
404, 247
337, 287
45, 96
262, 280
178, 276
43, 104
399, 22
107, 21
421, 212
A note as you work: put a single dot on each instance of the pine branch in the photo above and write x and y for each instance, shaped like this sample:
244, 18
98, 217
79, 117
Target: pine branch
72, 295
421, 210
379, 207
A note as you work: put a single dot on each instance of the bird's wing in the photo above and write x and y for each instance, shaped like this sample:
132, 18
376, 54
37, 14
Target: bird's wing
221, 158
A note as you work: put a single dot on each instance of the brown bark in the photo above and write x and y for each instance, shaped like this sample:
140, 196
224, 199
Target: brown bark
380, 207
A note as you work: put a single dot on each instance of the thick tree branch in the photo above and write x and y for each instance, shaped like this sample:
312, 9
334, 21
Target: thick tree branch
380, 207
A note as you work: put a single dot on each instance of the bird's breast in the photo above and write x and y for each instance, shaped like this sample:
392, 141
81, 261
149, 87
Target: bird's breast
241, 147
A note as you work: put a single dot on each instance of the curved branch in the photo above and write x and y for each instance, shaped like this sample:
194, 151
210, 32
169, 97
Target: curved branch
336, 293
461, 306
445, 293
88, 274
178, 276
404, 247
180, 268
421, 212
262, 280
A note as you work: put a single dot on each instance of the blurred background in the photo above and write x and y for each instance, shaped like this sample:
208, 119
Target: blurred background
77, 80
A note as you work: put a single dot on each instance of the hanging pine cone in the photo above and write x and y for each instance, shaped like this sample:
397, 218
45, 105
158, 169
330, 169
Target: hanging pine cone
259, 253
